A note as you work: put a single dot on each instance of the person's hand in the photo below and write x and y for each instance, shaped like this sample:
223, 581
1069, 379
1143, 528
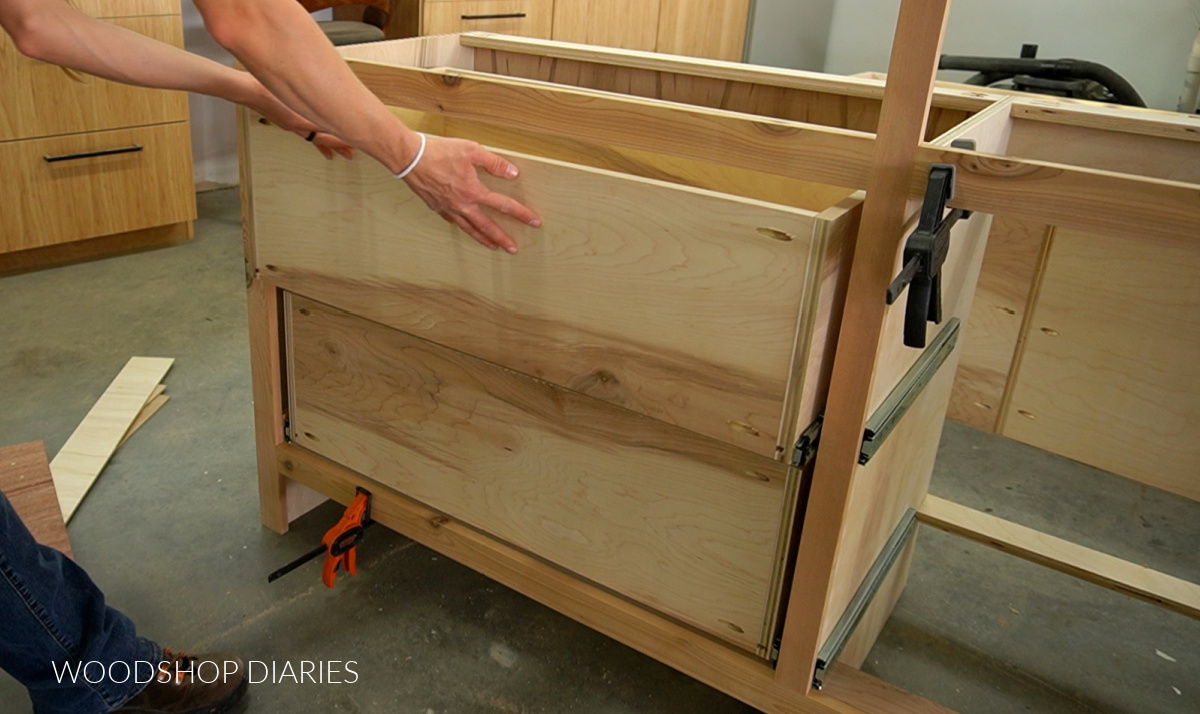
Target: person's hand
447, 180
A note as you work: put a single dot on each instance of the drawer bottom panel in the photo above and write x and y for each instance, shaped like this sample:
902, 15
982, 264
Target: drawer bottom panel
675, 521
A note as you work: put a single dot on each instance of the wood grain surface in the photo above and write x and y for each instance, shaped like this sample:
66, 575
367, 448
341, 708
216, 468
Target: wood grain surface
676, 303
1105, 570
57, 202
628, 24
79, 462
681, 523
25, 479
1109, 374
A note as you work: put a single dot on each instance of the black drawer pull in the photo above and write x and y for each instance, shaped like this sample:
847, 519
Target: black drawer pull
90, 154
497, 16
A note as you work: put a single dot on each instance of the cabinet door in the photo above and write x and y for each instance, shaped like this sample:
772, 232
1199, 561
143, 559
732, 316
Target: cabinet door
529, 18
39, 99
714, 29
628, 24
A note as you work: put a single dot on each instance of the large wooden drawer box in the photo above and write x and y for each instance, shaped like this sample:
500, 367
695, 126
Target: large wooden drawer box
622, 397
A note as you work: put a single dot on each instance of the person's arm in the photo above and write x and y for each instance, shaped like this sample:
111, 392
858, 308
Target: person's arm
55, 32
278, 42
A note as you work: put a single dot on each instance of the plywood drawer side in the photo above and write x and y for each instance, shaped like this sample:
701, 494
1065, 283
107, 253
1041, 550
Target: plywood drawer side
675, 521
528, 18
128, 8
73, 199
41, 100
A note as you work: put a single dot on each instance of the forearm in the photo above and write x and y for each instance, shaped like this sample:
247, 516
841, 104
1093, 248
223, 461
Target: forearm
281, 45
60, 35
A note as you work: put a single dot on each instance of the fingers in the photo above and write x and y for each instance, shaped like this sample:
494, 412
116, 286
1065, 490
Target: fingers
470, 230
491, 230
495, 165
511, 207
325, 151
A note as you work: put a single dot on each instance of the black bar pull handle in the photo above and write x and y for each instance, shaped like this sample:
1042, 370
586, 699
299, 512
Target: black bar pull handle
497, 16
91, 154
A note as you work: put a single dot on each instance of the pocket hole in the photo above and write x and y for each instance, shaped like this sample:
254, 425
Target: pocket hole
1027, 414
1048, 331
776, 234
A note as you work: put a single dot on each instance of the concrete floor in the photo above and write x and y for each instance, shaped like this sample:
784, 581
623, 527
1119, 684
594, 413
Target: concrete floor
171, 533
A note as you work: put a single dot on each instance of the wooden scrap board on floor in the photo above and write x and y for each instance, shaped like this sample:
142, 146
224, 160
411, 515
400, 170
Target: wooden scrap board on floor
88, 449
25, 479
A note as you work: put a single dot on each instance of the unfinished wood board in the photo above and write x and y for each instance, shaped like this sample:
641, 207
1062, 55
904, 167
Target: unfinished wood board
440, 51
821, 154
676, 303
660, 167
1111, 572
994, 336
1115, 118
26, 481
681, 523
79, 462
1160, 157
151, 408
1109, 374
827, 557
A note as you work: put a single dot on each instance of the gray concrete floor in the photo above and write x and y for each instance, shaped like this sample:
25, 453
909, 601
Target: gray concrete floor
171, 533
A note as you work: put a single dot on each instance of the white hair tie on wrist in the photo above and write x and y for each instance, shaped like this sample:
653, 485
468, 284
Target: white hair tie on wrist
416, 160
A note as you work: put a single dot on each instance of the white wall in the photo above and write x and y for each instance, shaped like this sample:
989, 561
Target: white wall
790, 33
214, 131
1146, 41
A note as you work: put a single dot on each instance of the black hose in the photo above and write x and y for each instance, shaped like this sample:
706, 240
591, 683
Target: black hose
1122, 91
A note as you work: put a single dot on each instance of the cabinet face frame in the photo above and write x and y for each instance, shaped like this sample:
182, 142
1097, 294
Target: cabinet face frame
989, 181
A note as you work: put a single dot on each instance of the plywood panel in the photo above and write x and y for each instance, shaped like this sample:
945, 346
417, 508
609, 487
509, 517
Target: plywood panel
715, 29
679, 304
128, 8
994, 336
26, 481
56, 202
1109, 375
80, 460
628, 24
42, 100
1094, 147
681, 523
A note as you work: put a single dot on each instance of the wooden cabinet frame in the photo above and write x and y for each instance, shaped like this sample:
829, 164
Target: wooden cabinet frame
851, 510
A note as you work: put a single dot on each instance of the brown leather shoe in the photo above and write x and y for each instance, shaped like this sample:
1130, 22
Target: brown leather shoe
208, 684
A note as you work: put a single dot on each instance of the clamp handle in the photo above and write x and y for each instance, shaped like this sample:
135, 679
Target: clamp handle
341, 541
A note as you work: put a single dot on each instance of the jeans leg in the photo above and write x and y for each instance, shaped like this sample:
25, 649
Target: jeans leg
53, 618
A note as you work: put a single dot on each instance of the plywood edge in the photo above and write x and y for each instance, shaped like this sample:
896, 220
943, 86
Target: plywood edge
1059, 554
990, 129
425, 52
850, 86
739, 675
1129, 120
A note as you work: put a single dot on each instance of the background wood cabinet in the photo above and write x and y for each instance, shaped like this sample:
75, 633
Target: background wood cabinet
713, 29
92, 160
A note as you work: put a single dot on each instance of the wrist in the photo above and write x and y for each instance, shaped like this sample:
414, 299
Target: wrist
404, 150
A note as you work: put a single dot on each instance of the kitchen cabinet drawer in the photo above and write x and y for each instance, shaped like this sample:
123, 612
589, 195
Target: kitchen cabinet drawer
40, 99
86, 185
529, 18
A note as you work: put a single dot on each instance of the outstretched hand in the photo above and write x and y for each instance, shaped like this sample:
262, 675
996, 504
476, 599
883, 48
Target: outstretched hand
447, 180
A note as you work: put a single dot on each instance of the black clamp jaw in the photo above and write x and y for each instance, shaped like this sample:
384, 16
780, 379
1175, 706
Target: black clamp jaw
924, 253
